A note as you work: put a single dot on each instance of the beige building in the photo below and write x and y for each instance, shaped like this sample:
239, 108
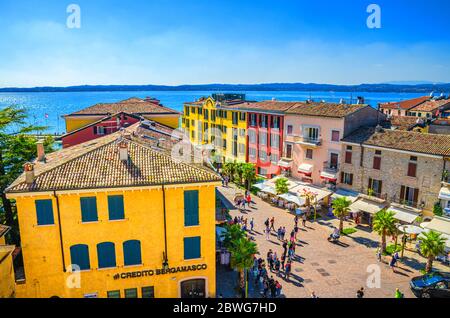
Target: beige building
397, 166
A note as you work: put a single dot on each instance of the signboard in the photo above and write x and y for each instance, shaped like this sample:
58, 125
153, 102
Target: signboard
159, 271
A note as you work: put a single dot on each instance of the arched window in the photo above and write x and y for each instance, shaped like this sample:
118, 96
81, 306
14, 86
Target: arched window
106, 255
132, 252
79, 255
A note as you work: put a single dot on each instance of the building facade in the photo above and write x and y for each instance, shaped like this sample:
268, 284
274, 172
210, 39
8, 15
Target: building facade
7, 279
397, 166
401, 108
313, 133
135, 223
148, 108
211, 122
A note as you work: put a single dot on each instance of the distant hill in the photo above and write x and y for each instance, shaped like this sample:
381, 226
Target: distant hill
425, 88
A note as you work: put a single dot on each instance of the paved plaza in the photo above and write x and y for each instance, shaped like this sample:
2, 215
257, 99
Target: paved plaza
328, 269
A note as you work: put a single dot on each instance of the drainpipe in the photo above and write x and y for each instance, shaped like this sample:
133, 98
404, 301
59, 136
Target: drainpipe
60, 231
165, 259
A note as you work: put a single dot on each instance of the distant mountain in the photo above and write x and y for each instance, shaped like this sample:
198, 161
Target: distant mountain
413, 83
424, 88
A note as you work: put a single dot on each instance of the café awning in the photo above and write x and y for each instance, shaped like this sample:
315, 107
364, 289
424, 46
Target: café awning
259, 185
285, 163
366, 205
291, 197
403, 214
305, 168
304, 187
328, 176
444, 194
439, 224
268, 189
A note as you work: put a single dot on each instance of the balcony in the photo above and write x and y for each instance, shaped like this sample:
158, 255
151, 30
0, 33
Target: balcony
308, 141
330, 167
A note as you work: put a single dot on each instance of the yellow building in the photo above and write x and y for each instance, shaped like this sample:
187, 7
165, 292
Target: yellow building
148, 108
212, 121
7, 285
134, 221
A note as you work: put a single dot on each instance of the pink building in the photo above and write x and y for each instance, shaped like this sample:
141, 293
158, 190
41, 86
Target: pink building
313, 133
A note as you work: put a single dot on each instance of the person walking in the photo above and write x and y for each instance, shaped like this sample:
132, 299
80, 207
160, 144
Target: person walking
295, 232
287, 269
278, 287
313, 295
378, 253
252, 224
272, 224
267, 222
360, 293
398, 293
267, 231
296, 220
249, 199
283, 233
393, 261
304, 219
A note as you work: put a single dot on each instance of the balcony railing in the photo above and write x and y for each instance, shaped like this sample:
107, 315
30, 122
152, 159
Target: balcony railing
310, 141
330, 167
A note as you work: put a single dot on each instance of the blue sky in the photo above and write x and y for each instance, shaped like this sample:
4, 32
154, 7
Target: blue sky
222, 41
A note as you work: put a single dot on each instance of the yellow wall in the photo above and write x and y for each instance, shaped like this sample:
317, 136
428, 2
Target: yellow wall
196, 118
168, 120
73, 123
7, 284
143, 221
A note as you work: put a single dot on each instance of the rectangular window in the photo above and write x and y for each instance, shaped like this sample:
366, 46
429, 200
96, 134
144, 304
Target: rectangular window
252, 152
206, 114
376, 186
252, 136
186, 111
262, 138
224, 144
289, 129
193, 110
377, 160
191, 215
113, 294
412, 166
335, 135
262, 155
235, 117
148, 292
275, 140
241, 149
309, 153
348, 156
274, 158
88, 209
312, 134
116, 207
275, 122
44, 212
263, 121
131, 293
409, 196
213, 115
347, 178
289, 151
241, 132
253, 120
242, 116
192, 247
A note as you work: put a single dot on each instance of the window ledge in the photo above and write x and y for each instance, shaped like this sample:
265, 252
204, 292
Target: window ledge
89, 222
45, 225
106, 268
118, 220
192, 226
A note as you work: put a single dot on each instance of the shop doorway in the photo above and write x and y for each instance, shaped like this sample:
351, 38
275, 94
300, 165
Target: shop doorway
193, 288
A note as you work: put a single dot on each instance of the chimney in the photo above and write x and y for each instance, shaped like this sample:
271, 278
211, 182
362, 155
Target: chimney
28, 168
123, 150
40, 150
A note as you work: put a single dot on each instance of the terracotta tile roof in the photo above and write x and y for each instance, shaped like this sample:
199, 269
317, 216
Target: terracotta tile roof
404, 122
405, 104
96, 165
132, 105
325, 109
276, 106
4, 229
431, 105
402, 140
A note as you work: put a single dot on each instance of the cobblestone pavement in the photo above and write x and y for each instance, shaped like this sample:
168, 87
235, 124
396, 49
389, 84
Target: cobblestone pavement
328, 269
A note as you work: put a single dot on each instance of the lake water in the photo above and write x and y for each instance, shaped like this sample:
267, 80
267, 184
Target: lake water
57, 104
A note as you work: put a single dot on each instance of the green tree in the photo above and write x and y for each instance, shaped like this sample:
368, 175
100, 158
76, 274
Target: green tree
437, 209
229, 169
233, 234
16, 148
249, 174
281, 185
384, 224
242, 253
341, 210
432, 245
238, 172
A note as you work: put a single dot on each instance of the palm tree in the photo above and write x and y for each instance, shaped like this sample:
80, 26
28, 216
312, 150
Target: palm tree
249, 174
341, 210
384, 224
281, 185
432, 245
233, 234
238, 172
242, 253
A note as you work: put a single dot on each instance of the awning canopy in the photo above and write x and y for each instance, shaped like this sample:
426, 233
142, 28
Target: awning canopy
350, 195
285, 163
291, 197
259, 185
269, 189
403, 214
306, 168
439, 224
444, 194
365, 205
271, 183
410, 229
328, 176
304, 187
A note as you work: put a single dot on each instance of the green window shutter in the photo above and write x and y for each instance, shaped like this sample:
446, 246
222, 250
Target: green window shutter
106, 255
88, 209
44, 212
79, 255
132, 252
116, 207
192, 247
191, 213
